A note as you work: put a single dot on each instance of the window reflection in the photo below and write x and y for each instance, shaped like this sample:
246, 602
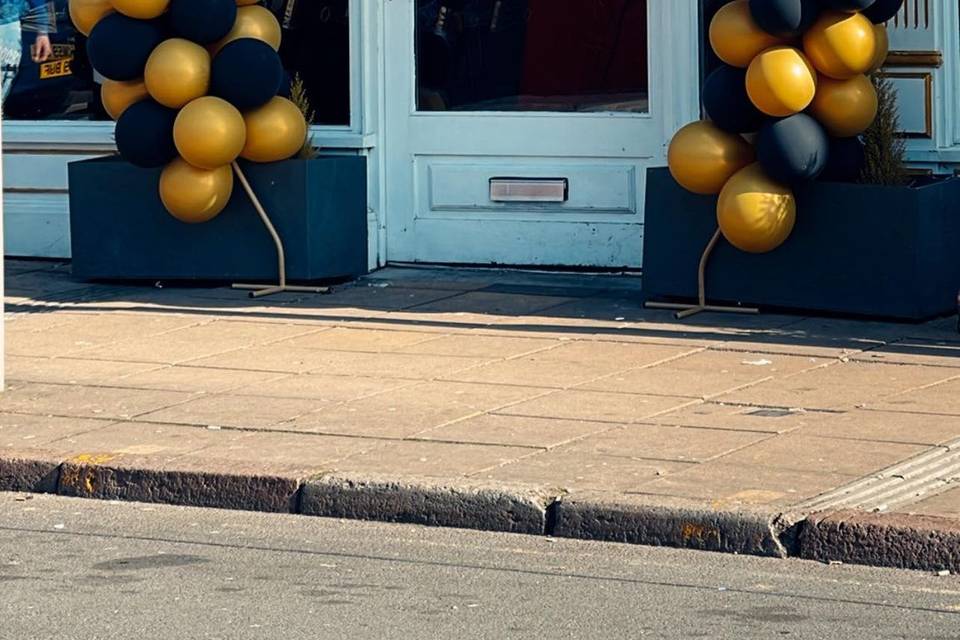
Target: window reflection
316, 46
532, 55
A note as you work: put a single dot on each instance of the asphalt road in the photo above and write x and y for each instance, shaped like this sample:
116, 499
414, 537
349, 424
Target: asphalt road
96, 570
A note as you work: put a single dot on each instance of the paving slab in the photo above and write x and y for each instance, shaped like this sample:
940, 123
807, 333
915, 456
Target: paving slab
88, 401
577, 471
706, 373
574, 404
884, 426
915, 351
80, 333
717, 415
327, 389
514, 431
797, 451
67, 370
943, 398
723, 486
488, 399
411, 410
224, 410
944, 505
431, 459
839, 386
572, 363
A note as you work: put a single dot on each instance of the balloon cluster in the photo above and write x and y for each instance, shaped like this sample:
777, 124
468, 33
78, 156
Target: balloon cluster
193, 85
795, 73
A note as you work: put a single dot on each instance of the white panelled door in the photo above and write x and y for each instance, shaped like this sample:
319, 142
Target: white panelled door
517, 132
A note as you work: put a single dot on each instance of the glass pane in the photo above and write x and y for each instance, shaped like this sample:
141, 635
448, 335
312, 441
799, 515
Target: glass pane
316, 47
41, 84
532, 55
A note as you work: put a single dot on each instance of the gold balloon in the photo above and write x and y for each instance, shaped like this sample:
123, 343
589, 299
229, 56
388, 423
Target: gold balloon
195, 195
117, 96
755, 213
253, 21
275, 131
841, 45
141, 9
735, 37
209, 133
845, 108
781, 82
85, 14
177, 72
883, 48
702, 157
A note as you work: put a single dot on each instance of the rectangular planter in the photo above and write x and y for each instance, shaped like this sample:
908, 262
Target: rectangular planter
889, 252
120, 229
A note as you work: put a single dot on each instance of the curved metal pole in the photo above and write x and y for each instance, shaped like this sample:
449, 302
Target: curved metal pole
685, 310
257, 290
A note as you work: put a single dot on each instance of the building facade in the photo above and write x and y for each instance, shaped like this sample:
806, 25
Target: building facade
511, 132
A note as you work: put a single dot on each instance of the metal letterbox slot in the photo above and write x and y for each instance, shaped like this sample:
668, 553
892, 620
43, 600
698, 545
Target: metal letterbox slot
529, 189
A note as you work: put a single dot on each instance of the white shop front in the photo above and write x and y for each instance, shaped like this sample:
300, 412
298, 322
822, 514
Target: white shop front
510, 132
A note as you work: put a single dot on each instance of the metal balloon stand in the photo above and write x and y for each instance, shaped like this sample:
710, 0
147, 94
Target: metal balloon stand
686, 310
260, 290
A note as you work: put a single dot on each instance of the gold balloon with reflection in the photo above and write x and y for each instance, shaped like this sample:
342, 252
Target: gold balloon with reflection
841, 45
253, 21
755, 213
781, 82
118, 95
702, 157
177, 72
195, 195
275, 131
85, 14
141, 9
883, 48
735, 37
209, 133
846, 108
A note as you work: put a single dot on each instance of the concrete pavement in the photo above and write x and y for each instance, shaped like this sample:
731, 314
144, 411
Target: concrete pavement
73, 569
492, 400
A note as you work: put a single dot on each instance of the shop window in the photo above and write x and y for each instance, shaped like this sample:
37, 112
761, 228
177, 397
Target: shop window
316, 46
532, 55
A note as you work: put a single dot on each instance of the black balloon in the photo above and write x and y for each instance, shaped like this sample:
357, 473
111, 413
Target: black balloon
847, 5
793, 149
784, 18
725, 101
247, 73
118, 46
883, 10
202, 21
846, 160
145, 134
286, 85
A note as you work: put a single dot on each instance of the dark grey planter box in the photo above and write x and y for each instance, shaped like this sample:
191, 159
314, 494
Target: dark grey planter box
888, 252
120, 230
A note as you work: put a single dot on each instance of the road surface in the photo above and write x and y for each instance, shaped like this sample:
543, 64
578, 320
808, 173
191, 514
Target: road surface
75, 569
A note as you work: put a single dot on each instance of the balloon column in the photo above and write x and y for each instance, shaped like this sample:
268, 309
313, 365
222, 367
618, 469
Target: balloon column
795, 73
193, 86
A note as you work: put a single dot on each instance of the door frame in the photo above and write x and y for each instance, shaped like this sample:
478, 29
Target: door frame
674, 28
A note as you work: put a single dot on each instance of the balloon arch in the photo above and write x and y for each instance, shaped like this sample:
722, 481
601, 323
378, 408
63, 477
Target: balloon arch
193, 85
787, 105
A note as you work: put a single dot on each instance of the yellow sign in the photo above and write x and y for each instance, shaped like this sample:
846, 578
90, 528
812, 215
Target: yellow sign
55, 68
